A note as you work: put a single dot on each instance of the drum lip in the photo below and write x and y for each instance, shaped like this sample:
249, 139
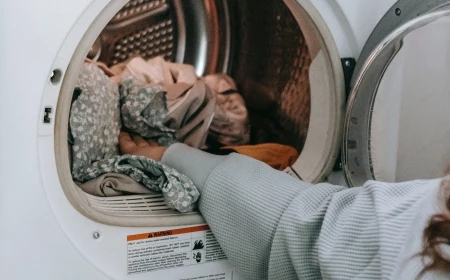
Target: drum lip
357, 156
324, 136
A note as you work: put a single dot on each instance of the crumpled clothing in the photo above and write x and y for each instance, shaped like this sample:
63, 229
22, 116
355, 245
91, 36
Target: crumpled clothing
277, 156
157, 71
191, 116
175, 93
144, 109
113, 73
113, 184
178, 190
145, 112
95, 126
95, 118
230, 121
230, 125
183, 113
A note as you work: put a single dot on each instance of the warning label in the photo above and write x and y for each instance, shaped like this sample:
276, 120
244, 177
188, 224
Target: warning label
217, 276
173, 248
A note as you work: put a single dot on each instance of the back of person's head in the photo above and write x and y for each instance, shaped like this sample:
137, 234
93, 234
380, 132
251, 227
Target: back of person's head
436, 235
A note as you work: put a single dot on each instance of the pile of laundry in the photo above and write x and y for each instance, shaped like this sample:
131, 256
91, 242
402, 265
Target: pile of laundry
164, 102
210, 107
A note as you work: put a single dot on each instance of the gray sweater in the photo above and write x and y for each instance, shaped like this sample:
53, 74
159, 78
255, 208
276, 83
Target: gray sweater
273, 226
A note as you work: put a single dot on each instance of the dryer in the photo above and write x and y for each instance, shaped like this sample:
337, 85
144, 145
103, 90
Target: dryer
307, 53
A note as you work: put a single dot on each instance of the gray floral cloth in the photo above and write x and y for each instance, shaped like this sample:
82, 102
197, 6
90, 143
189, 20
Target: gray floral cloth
95, 118
144, 109
178, 190
95, 123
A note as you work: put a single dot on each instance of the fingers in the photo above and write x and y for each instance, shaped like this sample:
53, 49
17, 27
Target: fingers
140, 142
127, 146
136, 145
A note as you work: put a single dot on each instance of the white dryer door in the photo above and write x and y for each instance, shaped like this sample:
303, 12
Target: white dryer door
397, 126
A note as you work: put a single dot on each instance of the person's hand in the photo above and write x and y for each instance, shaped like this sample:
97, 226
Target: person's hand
137, 146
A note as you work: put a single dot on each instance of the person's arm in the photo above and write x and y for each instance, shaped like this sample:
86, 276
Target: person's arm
272, 226
243, 201
194, 163
247, 205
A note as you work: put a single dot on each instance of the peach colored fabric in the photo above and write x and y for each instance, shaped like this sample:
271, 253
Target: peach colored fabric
230, 125
114, 73
191, 115
113, 184
158, 71
176, 93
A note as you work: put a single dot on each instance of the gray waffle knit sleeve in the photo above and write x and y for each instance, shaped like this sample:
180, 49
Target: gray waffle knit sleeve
243, 201
195, 164
272, 226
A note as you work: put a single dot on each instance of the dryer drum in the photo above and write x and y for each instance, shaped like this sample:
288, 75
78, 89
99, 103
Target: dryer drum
280, 53
270, 64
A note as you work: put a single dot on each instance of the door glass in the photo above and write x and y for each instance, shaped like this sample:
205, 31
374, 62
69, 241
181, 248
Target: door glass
410, 124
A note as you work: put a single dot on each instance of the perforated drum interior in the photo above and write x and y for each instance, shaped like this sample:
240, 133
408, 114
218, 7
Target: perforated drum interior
146, 28
270, 64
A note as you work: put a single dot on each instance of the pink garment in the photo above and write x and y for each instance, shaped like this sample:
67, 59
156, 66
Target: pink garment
189, 101
191, 111
158, 71
182, 73
176, 93
114, 73
230, 125
191, 104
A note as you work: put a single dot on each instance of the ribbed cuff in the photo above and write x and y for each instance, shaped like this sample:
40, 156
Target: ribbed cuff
195, 164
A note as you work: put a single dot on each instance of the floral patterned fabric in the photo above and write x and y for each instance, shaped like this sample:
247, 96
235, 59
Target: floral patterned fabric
94, 118
144, 109
95, 123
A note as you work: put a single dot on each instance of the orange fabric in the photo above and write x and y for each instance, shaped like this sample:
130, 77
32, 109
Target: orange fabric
276, 155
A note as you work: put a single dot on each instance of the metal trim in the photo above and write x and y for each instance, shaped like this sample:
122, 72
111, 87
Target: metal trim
409, 10
181, 31
356, 145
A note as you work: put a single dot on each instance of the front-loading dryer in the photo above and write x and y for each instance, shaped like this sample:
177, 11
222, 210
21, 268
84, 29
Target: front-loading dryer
298, 54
